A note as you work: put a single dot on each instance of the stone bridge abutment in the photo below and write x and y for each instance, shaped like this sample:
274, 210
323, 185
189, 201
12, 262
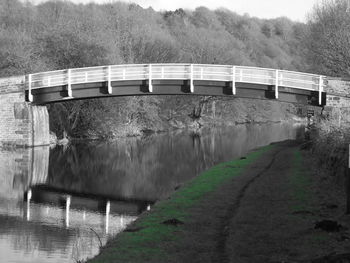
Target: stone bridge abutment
21, 123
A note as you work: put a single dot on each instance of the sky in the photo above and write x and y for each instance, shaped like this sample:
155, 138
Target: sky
294, 9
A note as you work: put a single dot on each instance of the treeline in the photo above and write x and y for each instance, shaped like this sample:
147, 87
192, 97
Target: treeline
59, 34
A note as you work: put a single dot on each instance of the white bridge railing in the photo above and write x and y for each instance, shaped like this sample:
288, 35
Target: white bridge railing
191, 72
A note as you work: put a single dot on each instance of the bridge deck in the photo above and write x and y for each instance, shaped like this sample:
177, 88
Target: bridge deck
175, 79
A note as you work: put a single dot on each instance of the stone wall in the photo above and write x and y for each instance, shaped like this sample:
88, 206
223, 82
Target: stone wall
21, 124
21, 168
338, 93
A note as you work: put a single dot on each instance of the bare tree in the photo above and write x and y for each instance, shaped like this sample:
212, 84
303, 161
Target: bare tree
329, 37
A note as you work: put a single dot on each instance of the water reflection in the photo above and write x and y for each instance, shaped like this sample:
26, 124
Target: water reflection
21, 168
151, 168
39, 225
56, 206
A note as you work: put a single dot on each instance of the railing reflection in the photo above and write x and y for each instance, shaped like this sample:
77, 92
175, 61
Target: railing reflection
44, 205
60, 230
108, 206
67, 210
29, 197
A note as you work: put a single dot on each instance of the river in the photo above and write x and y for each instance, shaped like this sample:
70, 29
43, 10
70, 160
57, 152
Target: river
62, 204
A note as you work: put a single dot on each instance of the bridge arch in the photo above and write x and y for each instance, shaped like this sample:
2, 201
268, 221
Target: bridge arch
175, 79
24, 119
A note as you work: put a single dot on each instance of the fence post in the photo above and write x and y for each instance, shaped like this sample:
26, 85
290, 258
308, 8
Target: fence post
191, 78
150, 87
234, 80
347, 180
69, 83
276, 84
109, 82
320, 89
30, 95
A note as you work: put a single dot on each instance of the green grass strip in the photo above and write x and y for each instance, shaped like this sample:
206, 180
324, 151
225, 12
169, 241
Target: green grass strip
142, 245
300, 182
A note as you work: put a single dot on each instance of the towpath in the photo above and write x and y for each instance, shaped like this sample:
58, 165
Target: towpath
265, 213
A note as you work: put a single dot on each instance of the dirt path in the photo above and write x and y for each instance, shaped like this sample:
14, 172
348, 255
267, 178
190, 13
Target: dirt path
225, 229
265, 214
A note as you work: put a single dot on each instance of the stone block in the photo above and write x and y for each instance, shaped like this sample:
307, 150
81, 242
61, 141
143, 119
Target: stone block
21, 110
21, 124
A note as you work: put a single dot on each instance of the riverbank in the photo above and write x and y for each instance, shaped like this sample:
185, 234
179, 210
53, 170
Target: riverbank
126, 117
262, 208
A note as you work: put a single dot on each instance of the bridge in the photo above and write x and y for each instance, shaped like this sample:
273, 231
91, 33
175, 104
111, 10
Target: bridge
175, 79
24, 117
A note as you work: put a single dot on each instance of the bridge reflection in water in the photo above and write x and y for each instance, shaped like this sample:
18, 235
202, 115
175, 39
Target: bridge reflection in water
48, 224
73, 210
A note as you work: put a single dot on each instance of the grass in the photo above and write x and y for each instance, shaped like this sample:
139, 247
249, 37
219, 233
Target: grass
330, 144
144, 244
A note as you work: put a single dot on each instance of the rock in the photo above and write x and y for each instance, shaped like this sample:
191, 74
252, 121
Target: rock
177, 187
328, 225
332, 206
63, 141
230, 166
173, 221
53, 138
306, 145
303, 212
343, 238
133, 229
333, 258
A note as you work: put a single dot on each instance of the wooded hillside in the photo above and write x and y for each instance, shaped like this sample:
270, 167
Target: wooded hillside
60, 34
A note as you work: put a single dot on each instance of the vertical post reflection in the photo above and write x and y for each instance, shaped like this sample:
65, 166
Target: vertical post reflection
29, 197
68, 200
121, 221
212, 144
108, 208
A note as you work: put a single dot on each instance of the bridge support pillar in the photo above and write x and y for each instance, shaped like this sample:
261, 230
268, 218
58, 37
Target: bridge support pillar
21, 123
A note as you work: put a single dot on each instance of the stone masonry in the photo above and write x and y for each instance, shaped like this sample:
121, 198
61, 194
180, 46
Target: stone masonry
338, 93
21, 124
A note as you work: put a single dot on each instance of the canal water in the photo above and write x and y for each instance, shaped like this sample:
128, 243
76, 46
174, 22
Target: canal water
62, 204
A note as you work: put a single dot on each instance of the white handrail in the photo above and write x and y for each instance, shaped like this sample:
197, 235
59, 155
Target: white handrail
193, 72
191, 78
69, 82
320, 89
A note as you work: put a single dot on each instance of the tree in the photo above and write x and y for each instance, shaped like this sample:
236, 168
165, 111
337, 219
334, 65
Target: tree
17, 54
329, 38
66, 49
